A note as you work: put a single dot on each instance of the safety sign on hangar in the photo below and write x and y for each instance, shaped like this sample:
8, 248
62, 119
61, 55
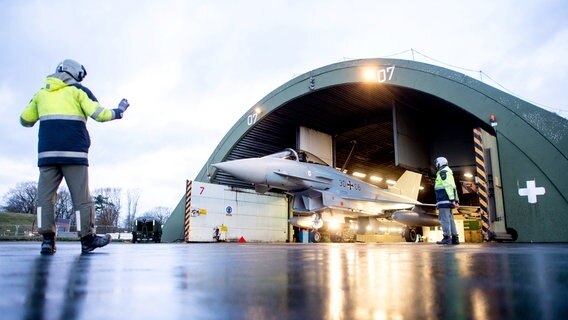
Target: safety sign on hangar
388, 115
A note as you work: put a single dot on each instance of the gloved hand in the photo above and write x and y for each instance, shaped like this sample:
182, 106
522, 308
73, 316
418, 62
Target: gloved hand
123, 105
456, 205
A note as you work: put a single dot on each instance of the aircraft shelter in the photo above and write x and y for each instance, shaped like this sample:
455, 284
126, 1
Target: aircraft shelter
384, 116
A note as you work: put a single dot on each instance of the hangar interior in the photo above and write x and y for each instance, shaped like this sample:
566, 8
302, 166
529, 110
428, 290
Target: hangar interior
376, 129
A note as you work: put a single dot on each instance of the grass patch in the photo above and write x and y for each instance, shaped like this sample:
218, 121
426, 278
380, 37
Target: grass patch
9, 218
16, 225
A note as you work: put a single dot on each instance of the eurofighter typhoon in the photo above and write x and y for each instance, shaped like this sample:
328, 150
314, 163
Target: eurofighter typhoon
322, 193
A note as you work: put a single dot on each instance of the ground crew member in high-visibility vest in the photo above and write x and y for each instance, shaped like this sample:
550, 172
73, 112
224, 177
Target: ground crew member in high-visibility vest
446, 200
62, 107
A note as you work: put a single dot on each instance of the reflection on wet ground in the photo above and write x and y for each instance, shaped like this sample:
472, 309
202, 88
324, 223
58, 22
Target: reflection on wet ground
285, 281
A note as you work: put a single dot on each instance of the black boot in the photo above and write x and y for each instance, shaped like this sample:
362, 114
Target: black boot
455, 239
92, 241
48, 244
445, 240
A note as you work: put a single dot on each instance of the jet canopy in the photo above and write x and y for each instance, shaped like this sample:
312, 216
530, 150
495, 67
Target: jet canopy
300, 156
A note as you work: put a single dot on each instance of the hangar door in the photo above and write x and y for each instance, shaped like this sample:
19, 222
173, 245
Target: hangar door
422, 135
410, 140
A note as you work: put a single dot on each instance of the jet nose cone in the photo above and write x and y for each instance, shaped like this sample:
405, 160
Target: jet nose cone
250, 170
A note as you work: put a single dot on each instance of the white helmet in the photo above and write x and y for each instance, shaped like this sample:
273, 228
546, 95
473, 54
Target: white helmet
440, 162
72, 68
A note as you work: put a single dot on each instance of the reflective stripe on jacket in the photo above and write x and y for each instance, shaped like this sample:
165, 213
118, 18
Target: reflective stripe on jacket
445, 188
62, 108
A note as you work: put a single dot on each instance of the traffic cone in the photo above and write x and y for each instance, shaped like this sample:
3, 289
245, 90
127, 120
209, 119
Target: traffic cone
242, 240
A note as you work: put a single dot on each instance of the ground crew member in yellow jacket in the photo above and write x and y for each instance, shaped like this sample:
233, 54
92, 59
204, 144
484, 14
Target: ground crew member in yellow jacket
446, 200
62, 108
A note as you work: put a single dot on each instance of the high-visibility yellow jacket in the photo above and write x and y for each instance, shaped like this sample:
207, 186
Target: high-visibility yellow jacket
62, 107
445, 188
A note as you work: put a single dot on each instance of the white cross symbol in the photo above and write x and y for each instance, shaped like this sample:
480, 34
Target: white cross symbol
531, 191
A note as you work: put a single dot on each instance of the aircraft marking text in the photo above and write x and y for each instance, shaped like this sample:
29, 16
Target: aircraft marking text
349, 185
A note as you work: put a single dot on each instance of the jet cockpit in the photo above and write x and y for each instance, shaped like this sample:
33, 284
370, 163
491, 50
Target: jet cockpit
300, 155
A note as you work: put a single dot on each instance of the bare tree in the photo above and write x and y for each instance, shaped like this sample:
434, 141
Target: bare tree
161, 214
132, 197
22, 199
64, 204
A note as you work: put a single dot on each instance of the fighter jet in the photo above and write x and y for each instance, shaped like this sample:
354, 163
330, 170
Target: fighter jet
322, 193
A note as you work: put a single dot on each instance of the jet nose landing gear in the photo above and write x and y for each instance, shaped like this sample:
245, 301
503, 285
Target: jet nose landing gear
315, 236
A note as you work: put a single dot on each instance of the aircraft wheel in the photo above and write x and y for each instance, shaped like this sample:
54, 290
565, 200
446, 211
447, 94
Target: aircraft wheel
316, 237
513, 233
410, 235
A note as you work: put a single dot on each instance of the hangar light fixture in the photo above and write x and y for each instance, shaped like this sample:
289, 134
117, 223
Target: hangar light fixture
370, 74
376, 179
334, 224
391, 182
359, 174
421, 188
468, 175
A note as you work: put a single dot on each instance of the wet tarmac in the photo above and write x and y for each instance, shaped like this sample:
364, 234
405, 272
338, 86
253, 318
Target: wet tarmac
285, 281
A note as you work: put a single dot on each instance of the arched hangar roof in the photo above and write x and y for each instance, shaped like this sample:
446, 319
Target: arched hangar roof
353, 101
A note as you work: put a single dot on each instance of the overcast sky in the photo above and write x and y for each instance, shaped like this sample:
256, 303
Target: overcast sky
190, 69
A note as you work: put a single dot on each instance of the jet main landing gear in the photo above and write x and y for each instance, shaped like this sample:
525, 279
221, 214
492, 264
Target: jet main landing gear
410, 234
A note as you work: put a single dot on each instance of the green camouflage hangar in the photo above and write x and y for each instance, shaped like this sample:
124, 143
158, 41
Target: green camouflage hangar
385, 116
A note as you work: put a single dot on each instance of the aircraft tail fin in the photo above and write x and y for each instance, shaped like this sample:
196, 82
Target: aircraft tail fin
407, 185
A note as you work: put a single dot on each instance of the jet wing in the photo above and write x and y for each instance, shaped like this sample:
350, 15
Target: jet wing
367, 206
316, 200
